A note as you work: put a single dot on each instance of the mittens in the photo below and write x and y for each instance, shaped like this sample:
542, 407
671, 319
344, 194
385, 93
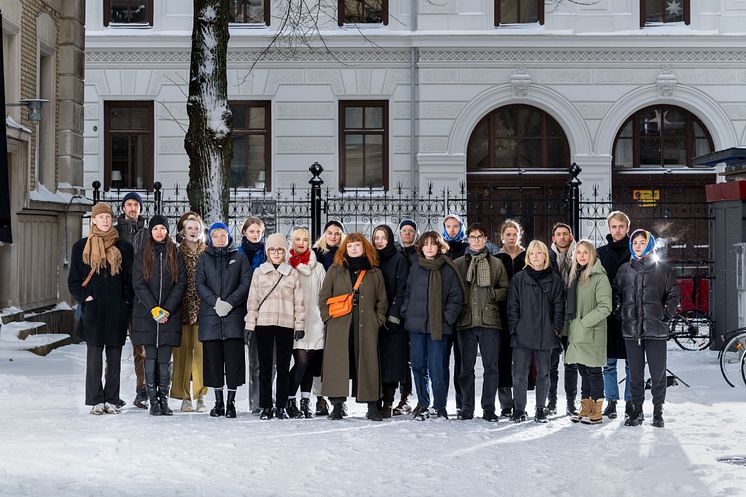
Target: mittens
222, 308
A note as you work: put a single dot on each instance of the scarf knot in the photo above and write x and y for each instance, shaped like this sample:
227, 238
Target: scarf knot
101, 251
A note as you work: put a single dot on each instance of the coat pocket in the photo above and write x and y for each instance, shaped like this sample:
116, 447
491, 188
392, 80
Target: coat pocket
579, 333
491, 315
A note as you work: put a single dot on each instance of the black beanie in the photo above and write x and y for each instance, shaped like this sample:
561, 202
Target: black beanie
133, 196
156, 220
338, 224
407, 222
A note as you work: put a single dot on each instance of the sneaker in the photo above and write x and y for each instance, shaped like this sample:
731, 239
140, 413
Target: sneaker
489, 415
518, 416
506, 413
541, 415
465, 415
111, 408
98, 409
420, 413
186, 405
402, 408
442, 414
200, 405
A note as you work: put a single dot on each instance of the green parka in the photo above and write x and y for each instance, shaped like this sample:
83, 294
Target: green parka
586, 333
480, 303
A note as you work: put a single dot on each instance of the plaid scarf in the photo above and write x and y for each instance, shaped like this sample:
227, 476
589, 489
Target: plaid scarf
479, 267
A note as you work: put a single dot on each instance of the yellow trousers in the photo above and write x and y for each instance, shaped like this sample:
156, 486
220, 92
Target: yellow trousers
188, 365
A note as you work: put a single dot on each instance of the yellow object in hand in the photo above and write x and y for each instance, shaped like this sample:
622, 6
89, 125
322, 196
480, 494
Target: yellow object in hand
159, 313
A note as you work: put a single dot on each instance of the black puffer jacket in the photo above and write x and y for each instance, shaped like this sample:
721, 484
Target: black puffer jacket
646, 295
159, 290
225, 273
414, 307
132, 231
612, 256
536, 310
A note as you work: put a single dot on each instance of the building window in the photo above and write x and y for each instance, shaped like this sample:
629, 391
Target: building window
252, 137
661, 136
363, 143
363, 12
128, 150
249, 12
517, 137
519, 12
663, 11
128, 12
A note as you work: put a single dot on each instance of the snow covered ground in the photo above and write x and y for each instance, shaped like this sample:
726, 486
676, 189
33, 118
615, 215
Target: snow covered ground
51, 446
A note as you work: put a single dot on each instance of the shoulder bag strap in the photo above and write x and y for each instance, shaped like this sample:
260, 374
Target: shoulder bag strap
359, 280
270, 292
88, 278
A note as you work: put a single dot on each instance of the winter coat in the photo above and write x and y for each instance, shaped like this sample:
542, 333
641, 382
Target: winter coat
225, 273
612, 256
393, 339
159, 290
646, 297
311, 278
536, 311
104, 320
480, 306
587, 332
280, 305
555, 257
414, 307
256, 258
326, 259
372, 308
456, 248
512, 266
131, 231
191, 302
409, 252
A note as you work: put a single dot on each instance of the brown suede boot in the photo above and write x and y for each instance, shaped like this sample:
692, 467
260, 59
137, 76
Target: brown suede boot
596, 415
586, 405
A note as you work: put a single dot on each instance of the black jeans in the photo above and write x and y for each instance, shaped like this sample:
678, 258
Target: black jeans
452, 345
223, 360
271, 339
95, 392
571, 375
655, 352
521, 368
488, 342
592, 382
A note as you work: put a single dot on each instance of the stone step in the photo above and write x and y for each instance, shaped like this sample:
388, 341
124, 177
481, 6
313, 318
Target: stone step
23, 336
46, 348
11, 315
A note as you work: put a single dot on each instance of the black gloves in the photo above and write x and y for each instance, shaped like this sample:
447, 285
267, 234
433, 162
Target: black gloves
299, 334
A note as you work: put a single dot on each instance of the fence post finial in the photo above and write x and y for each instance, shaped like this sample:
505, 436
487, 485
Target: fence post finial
158, 195
574, 170
316, 183
96, 191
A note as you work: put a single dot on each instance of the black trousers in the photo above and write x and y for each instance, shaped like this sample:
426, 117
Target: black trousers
571, 375
161, 355
488, 342
521, 367
223, 361
592, 382
452, 345
655, 352
95, 391
268, 340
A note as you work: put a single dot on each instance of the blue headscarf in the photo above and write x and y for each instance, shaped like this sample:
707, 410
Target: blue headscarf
649, 247
219, 226
461, 235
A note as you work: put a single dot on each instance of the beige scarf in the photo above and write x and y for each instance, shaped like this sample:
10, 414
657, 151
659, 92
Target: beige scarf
101, 250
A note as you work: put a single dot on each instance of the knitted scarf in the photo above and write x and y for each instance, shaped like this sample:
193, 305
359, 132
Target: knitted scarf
296, 259
100, 250
479, 268
435, 291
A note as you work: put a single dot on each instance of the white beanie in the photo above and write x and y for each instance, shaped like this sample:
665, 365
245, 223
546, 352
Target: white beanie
276, 240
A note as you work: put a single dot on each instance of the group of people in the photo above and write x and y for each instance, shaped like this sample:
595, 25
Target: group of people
363, 318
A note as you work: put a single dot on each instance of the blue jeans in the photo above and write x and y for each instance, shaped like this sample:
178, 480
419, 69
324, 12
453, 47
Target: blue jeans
426, 356
611, 387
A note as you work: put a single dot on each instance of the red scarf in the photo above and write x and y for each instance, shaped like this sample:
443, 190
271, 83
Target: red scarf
296, 259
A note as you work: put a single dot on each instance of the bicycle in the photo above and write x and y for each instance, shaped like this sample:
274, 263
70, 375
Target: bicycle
743, 368
731, 357
691, 330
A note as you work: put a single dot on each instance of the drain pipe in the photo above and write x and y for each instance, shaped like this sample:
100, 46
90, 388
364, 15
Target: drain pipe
413, 96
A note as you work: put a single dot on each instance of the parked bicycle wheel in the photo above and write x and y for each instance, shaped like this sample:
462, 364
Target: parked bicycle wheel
731, 358
691, 330
743, 368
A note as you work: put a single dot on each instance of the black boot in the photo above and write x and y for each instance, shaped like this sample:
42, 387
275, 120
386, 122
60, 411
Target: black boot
230, 405
636, 418
292, 409
149, 367
629, 407
373, 414
164, 384
571, 409
322, 408
658, 416
305, 408
610, 411
336, 413
141, 399
551, 408
266, 414
219, 409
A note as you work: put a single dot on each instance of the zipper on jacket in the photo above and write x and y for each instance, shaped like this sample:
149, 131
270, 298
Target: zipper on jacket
160, 291
220, 256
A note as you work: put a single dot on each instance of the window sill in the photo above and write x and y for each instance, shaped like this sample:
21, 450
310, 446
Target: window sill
116, 25
247, 25
520, 25
363, 25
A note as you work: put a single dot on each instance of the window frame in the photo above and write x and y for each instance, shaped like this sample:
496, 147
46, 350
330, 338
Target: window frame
267, 105
686, 15
689, 139
267, 17
343, 105
384, 10
107, 15
498, 13
149, 171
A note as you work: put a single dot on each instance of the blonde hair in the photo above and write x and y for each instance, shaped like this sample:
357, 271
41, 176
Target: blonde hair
304, 231
511, 223
619, 216
537, 246
321, 242
586, 273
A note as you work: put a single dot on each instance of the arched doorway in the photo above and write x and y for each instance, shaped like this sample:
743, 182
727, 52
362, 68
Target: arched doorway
516, 167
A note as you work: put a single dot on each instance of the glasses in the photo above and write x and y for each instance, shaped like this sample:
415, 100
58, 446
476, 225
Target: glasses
276, 251
473, 238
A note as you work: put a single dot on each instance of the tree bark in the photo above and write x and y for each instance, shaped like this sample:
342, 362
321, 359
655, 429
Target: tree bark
208, 139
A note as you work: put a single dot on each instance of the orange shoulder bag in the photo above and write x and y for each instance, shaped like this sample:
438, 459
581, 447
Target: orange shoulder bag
341, 305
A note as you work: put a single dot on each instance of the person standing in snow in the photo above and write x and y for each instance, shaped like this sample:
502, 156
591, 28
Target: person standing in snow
188, 357
253, 248
351, 345
536, 310
100, 280
222, 279
408, 235
646, 298
131, 228
587, 306
431, 307
305, 350
159, 281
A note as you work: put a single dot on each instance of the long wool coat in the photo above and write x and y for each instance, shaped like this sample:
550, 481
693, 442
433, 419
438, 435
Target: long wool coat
311, 279
586, 334
372, 311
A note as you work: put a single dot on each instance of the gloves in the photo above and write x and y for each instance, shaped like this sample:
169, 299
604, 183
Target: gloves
159, 314
222, 308
299, 334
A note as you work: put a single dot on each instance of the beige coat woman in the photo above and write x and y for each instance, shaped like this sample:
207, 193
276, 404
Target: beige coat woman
372, 310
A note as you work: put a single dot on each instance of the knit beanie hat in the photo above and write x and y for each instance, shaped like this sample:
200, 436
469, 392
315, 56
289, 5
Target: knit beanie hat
132, 196
338, 224
184, 218
407, 222
275, 240
220, 226
101, 208
156, 221
649, 247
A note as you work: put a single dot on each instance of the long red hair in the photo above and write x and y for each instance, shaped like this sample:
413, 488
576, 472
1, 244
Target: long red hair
368, 250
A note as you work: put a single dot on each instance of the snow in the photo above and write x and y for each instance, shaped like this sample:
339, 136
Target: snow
11, 310
11, 123
52, 446
42, 194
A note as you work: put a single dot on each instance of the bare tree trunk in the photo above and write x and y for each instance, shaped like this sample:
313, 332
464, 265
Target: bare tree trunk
208, 140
